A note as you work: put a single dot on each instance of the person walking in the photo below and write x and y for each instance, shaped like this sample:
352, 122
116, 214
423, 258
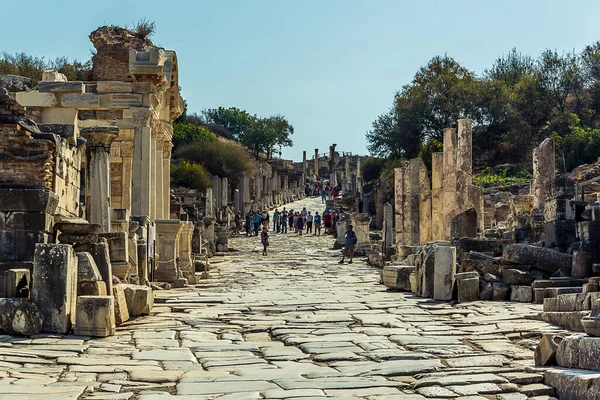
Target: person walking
264, 239
256, 220
317, 221
276, 226
284, 220
300, 225
323, 195
291, 221
351, 240
309, 223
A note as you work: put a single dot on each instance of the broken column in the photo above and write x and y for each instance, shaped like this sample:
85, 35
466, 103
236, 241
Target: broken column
437, 188
316, 164
54, 286
464, 161
444, 271
388, 227
420, 202
97, 173
544, 164
449, 180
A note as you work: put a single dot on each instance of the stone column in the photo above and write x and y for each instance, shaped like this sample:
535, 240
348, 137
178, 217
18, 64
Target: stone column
304, 163
153, 152
167, 239
166, 178
437, 187
208, 206
236, 201
216, 191
544, 165
316, 163
388, 227
142, 165
158, 182
449, 180
379, 201
420, 202
331, 160
399, 202
464, 161
185, 264
142, 256
97, 174
476, 198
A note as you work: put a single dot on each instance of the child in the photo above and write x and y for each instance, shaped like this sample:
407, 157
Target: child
351, 240
264, 239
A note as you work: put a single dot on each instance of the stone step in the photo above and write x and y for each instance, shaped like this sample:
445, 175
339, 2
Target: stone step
555, 291
570, 302
573, 383
570, 320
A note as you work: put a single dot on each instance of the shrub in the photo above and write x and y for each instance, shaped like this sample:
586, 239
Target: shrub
225, 159
186, 133
190, 175
372, 167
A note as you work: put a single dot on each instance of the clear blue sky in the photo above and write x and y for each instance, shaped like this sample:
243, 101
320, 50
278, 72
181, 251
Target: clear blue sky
329, 66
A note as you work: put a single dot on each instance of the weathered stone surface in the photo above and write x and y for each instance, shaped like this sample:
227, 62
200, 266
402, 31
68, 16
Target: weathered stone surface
397, 277
521, 294
486, 290
95, 316
574, 383
54, 286
540, 258
140, 300
582, 264
87, 271
464, 224
468, 289
478, 245
516, 277
444, 270
15, 83
500, 291
19, 317
120, 304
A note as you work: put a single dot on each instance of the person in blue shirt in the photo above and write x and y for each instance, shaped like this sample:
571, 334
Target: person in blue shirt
317, 221
257, 219
351, 240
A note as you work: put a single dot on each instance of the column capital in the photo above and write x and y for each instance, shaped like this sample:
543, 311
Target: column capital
100, 136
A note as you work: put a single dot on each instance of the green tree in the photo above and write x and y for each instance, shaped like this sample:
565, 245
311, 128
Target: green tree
266, 135
234, 120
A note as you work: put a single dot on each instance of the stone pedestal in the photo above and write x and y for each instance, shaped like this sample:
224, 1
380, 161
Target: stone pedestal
209, 233
360, 224
167, 232
140, 300
97, 174
340, 228
185, 264
54, 286
95, 316
118, 245
100, 253
445, 268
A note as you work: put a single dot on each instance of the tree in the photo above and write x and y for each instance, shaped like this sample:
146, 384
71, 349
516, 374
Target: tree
234, 120
191, 175
265, 135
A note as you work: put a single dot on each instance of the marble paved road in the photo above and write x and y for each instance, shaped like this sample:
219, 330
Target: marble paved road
292, 325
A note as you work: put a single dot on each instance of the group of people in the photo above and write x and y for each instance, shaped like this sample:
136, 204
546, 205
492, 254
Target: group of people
325, 191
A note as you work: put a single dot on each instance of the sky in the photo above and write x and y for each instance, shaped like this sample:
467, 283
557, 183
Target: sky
329, 66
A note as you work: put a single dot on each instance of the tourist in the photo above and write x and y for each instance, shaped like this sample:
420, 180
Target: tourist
317, 221
238, 224
257, 220
265, 219
303, 213
309, 223
351, 240
323, 195
276, 220
292, 220
284, 220
300, 225
264, 239
327, 219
